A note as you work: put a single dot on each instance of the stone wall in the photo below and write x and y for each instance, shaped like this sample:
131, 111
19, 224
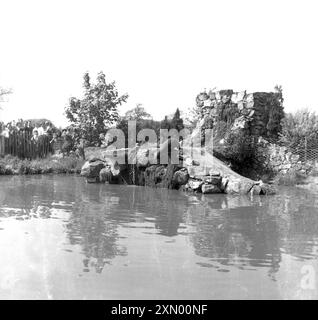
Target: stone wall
279, 160
259, 113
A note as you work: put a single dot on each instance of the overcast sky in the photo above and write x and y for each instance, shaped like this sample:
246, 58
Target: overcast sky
162, 53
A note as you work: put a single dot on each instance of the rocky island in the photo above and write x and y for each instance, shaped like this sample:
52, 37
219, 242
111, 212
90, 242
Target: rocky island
241, 114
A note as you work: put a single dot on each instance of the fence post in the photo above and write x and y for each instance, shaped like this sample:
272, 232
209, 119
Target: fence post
305, 149
1, 146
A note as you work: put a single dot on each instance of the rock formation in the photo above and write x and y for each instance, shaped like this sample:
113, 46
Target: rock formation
257, 114
207, 175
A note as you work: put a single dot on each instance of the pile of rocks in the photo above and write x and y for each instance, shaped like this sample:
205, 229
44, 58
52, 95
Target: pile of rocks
223, 182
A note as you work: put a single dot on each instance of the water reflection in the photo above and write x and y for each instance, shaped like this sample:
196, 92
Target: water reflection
227, 231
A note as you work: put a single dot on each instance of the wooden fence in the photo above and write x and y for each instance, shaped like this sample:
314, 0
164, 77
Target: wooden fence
20, 144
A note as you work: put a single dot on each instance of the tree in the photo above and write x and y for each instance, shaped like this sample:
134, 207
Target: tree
276, 114
177, 121
98, 109
138, 113
143, 120
192, 117
35, 122
165, 123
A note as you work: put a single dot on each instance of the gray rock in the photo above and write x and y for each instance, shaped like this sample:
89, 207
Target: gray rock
215, 180
242, 186
210, 188
195, 184
232, 187
267, 189
91, 169
105, 175
224, 182
180, 177
256, 190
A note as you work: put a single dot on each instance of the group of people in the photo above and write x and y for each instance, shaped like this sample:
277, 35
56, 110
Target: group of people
12, 127
41, 136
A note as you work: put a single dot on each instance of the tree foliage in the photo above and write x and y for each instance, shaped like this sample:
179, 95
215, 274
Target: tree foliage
97, 110
143, 121
175, 123
238, 148
300, 128
138, 113
276, 114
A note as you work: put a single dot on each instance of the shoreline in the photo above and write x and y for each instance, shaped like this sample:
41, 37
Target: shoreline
71, 165
10, 165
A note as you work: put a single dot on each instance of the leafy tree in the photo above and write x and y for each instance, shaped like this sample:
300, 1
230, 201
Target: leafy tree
138, 113
35, 122
143, 120
97, 110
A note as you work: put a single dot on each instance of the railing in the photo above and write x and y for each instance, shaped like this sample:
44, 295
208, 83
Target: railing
20, 144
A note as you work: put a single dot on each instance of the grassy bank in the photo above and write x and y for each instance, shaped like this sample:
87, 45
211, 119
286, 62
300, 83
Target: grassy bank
294, 177
12, 165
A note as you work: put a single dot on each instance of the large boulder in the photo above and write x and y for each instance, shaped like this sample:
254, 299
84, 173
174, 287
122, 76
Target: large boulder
91, 169
154, 175
106, 175
180, 178
256, 190
239, 186
210, 188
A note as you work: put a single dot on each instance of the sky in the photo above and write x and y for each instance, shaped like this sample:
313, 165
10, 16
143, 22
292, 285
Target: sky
162, 53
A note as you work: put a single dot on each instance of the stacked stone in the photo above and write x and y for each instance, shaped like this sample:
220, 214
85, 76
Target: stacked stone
252, 109
212, 183
279, 159
216, 183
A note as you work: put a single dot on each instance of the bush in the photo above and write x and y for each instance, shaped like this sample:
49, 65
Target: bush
300, 128
239, 148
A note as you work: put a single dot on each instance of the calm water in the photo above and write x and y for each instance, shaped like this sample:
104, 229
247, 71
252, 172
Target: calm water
61, 238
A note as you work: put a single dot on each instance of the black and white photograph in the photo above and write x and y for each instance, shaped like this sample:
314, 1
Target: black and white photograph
158, 150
